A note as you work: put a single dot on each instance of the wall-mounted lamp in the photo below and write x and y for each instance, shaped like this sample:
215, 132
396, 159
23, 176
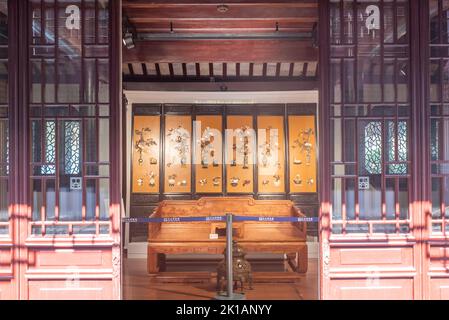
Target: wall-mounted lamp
128, 40
128, 35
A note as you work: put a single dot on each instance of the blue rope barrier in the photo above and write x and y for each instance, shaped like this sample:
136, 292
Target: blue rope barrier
219, 219
275, 219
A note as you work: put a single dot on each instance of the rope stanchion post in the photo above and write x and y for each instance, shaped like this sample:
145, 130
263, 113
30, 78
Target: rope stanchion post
229, 274
229, 264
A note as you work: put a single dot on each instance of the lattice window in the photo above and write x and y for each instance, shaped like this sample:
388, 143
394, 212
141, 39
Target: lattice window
69, 118
72, 150
399, 138
373, 147
50, 148
370, 118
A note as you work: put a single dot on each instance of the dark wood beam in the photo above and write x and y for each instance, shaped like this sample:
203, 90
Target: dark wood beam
223, 51
222, 86
200, 13
240, 3
166, 36
221, 25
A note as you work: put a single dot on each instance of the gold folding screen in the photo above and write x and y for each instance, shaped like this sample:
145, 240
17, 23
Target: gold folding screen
224, 154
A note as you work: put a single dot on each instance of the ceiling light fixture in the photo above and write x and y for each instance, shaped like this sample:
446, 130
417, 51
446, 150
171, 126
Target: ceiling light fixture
222, 8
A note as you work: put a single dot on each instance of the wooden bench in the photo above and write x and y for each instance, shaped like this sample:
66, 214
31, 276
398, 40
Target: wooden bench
201, 237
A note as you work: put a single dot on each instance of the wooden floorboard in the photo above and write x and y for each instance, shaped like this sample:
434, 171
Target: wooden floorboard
178, 285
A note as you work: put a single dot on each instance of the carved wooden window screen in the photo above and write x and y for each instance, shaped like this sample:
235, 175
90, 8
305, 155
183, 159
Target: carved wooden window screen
69, 117
370, 117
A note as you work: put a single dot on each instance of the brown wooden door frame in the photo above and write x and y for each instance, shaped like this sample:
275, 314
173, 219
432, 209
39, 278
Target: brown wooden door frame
323, 154
19, 89
13, 82
419, 150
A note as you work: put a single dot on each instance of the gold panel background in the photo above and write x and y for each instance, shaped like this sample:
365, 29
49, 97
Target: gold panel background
304, 172
181, 172
209, 173
274, 122
236, 122
143, 170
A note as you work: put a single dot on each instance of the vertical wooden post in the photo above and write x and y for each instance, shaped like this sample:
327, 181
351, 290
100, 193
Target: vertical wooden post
116, 172
323, 141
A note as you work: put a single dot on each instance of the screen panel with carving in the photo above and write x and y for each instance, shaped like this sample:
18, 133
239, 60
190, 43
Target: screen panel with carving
271, 154
240, 147
178, 133
208, 154
145, 154
302, 154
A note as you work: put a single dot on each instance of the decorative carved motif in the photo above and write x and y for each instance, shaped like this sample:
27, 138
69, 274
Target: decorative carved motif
243, 148
206, 143
267, 150
235, 181
326, 258
216, 181
152, 179
172, 180
116, 264
304, 145
297, 180
277, 180
180, 141
143, 143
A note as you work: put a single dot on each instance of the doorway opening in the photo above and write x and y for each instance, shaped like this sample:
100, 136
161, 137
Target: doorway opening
221, 109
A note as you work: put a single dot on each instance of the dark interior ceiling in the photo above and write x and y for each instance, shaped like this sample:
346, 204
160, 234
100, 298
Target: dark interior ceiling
207, 40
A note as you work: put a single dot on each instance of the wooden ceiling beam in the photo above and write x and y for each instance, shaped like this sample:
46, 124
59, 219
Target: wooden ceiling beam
205, 25
242, 23
201, 13
265, 85
219, 50
221, 30
239, 3
215, 26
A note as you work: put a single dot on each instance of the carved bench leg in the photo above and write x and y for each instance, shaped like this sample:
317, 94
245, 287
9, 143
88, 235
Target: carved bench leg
291, 260
298, 261
302, 260
161, 260
152, 261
